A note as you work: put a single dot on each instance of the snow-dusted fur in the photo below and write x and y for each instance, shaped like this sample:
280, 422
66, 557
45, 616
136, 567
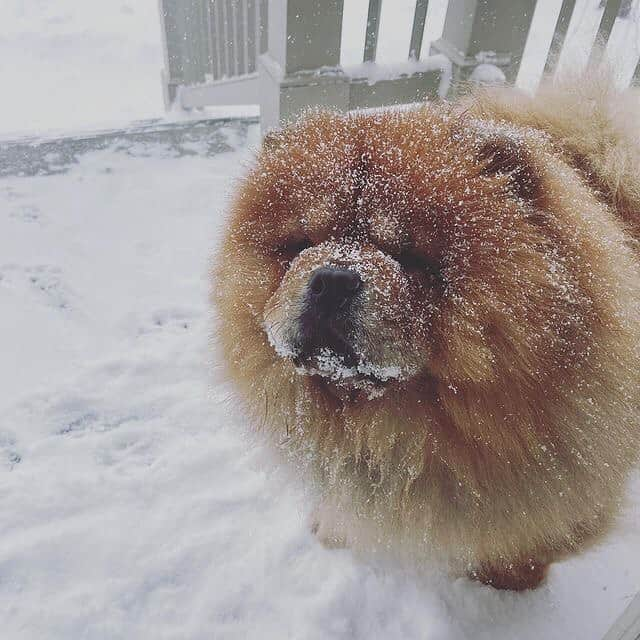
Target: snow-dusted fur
595, 126
493, 417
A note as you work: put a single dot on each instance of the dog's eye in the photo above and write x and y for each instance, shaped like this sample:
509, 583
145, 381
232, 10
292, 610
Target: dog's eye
413, 261
290, 249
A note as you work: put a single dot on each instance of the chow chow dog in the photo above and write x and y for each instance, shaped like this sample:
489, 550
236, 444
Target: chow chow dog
435, 313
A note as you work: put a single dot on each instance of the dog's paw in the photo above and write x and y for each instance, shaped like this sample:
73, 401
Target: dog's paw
326, 524
513, 577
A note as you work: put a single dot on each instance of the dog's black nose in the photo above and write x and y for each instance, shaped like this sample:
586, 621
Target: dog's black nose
330, 288
326, 320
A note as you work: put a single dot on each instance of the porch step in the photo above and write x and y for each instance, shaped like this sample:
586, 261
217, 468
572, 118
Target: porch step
47, 155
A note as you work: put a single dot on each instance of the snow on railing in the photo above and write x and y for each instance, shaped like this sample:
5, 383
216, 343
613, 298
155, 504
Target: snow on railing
285, 54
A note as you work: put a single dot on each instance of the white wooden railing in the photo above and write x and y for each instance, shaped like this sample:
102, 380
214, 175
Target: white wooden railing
211, 49
285, 54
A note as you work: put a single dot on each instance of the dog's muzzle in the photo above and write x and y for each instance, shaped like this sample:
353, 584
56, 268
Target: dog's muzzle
326, 321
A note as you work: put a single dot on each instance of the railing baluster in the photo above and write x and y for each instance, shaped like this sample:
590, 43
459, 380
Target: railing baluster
225, 40
206, 56
245, 35
559, 35
419, 18
373, 27
172, 74
251, 35
217, 30
262, 23
194, 42
207, 10
607, 21
237, 35
237, 45
229, 38
208, 21
169, 15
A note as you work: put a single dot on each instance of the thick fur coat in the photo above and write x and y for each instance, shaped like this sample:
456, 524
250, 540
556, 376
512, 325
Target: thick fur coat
490, 409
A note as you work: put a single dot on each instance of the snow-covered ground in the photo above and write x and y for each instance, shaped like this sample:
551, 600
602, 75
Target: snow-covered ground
132, 502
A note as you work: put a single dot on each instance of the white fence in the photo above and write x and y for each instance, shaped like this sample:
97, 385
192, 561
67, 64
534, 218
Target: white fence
285, 54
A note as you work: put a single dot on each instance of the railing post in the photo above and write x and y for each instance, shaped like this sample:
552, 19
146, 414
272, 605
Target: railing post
186, 44
301, 65
485, 31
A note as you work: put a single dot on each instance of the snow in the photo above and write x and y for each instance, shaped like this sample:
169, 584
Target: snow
487, 73
133, 501
72, 63
366, 376
374, 72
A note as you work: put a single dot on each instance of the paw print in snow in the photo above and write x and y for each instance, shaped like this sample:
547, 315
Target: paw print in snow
26, 213
43, 280
47, 281
175, 319
9, 456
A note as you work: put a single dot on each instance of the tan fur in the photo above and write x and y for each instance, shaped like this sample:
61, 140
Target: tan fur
594, 125
506, 439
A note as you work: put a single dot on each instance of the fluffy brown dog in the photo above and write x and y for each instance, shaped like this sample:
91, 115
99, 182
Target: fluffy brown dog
435, 312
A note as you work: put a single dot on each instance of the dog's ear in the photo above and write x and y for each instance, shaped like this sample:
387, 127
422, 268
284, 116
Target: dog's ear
507, 154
